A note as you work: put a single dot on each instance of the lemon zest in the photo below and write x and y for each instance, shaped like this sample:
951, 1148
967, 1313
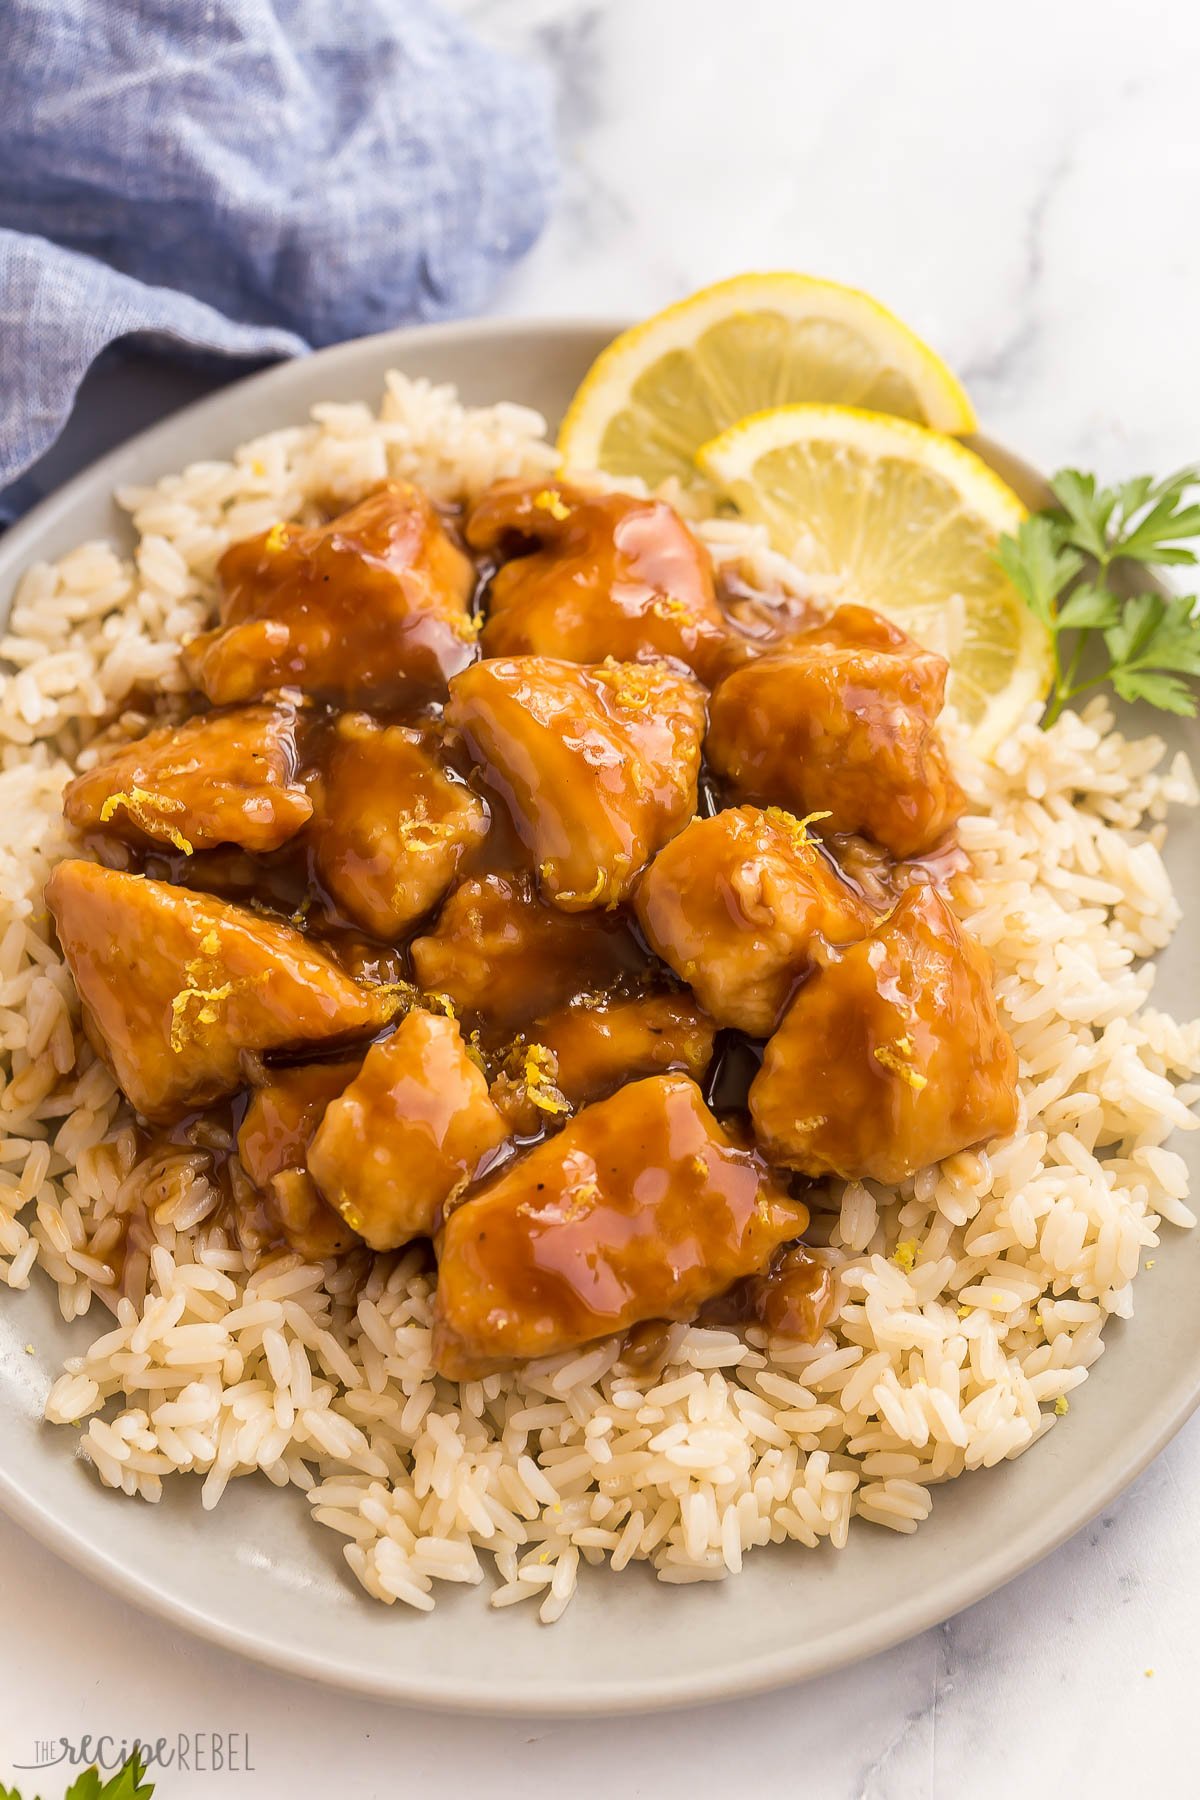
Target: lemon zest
629, 683
814, 1122
1062, 1405
792, 828
905, 1255
397, 996
551, 501
206, 1012
895, 1059
670, 606
276, 539
581, 897
146, 810
419, 825
539, 1069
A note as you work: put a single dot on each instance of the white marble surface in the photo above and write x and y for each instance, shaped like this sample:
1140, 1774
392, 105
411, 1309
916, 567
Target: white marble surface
1018, 182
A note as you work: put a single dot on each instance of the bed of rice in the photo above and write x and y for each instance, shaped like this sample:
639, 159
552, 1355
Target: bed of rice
971, 1301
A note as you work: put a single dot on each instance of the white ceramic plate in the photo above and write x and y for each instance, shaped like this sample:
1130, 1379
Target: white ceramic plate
257, 1577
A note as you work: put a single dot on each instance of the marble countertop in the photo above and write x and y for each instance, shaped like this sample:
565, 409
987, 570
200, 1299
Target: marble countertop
1014, 182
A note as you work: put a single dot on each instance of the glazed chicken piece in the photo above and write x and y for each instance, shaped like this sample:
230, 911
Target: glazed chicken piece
849, 732
273, 1143
220, 778
391, 826
177, 986
594, 576
504, 956
890, 1058
766, 623
599, 1045
407, 1135
737, 905
597, 766
363, 611
856, 627
640, 1208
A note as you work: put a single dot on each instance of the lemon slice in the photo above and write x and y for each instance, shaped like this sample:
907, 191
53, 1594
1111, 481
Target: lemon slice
667, 386
906, 520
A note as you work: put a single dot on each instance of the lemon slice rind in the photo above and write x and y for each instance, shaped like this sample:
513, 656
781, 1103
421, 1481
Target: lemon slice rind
729, 341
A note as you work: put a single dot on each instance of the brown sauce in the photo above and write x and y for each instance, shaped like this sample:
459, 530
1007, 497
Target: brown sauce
794, 1296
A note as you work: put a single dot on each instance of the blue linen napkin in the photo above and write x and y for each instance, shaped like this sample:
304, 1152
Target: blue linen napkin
246, 178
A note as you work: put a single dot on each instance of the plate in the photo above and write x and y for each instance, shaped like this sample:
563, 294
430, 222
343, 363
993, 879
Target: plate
257, 1577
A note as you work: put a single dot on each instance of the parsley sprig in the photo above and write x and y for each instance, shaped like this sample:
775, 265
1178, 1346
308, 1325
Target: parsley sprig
129, 1783
1065, 563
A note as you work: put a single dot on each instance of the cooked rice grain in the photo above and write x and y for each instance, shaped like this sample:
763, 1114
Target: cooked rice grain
951, 1355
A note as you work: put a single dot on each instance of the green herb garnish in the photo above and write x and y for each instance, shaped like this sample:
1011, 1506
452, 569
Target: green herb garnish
1063, 562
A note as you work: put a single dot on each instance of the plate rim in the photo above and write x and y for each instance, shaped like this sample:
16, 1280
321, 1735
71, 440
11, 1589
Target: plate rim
750, 1674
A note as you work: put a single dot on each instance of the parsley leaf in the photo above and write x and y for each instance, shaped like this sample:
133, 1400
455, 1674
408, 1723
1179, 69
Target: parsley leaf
129, 1783
1061, 562
1037, 564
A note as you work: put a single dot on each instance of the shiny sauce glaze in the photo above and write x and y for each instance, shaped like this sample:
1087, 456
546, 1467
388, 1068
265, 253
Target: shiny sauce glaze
480, 930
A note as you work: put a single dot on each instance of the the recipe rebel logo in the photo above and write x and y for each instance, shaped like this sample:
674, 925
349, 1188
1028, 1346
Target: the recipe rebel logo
194, 1752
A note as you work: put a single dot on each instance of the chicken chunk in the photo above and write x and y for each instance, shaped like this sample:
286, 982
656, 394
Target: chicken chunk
766, 623
890, 1058
594, 576
407, 1135
734, 905
597, 766
176, 986
640, 1208
391, 826
272, 1145
504, 956
845, 731
221, 778
364, 610
598, 1046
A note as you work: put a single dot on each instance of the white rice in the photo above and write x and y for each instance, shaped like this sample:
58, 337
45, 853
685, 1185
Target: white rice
972, 1299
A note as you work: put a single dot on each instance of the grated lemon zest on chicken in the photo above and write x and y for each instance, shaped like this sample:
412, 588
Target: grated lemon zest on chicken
894, 1057
147, 811
584, 897
794, 829
397, 996
671, 606
629, 683
277, 539
551, 501
540, 1068
206, 1012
